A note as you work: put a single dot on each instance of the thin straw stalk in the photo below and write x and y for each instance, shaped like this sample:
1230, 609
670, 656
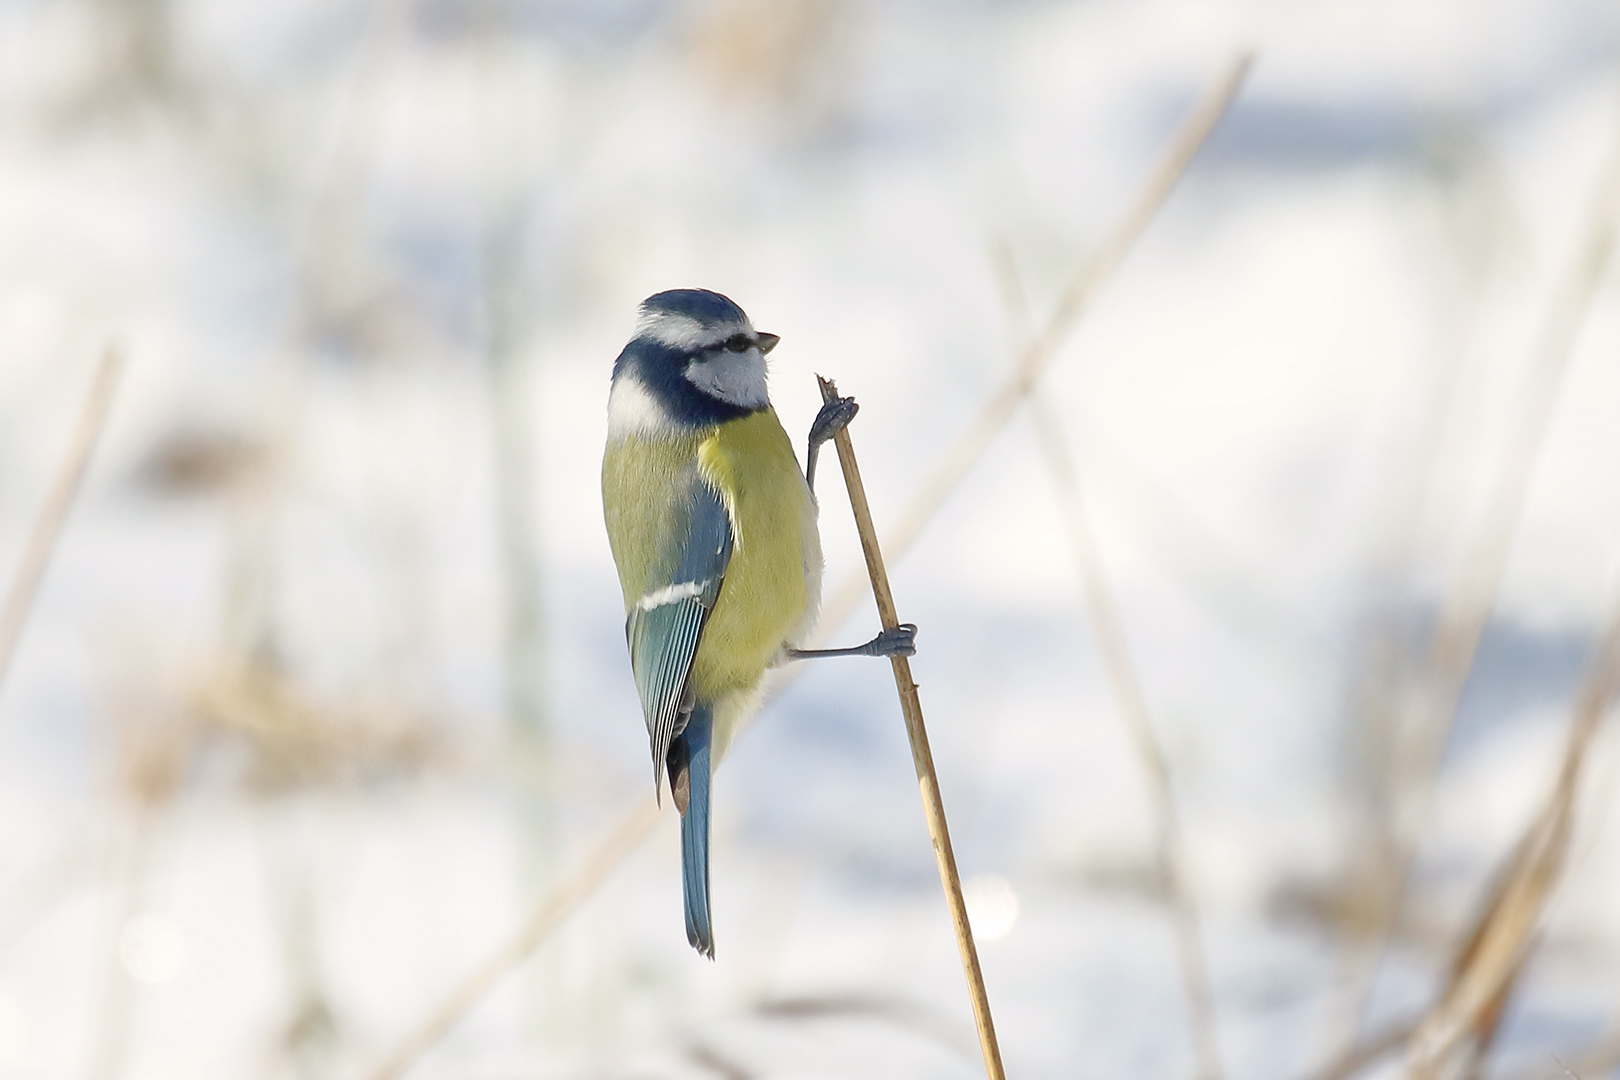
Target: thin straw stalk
921, 755
1593, 1061
1039, 353
53, 513
558, 905
1103, 614
1369, 1051
115, 1025
1106, 627
1468, 603
1494, 953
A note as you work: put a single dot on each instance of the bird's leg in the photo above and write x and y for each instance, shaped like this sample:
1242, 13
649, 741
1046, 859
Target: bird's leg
833, 418
897, 641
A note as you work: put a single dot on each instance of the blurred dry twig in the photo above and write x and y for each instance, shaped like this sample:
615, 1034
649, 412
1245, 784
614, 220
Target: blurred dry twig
1472, 206
1494, 953
200, 461
116, 1022
1471, 595
1043, 347
1596, 1059
721, 1064
152, 752
1103, 614
1453, 1038
1369, 1051
557, 906
901, 1014
58, 501
297, 741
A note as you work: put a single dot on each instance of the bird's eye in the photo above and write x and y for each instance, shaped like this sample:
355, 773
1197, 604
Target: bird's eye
739, 343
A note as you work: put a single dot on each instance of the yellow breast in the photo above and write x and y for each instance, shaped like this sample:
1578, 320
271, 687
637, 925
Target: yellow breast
772, 586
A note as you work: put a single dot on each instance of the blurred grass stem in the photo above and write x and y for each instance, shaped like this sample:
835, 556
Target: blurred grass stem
510, 298
1385, 665
118, 1003
922, 756
1593, 1061
1498, 946
1471, 596
1368, 1051
558, 905
1103, 614
1169, 853
53, 513
1043, 347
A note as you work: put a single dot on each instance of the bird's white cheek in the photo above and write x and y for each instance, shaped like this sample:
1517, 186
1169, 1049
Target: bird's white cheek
632, 410
737, 378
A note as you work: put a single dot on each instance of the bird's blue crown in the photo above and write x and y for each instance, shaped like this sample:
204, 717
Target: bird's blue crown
709, 309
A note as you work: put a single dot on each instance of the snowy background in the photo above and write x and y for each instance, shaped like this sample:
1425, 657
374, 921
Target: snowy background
326, 685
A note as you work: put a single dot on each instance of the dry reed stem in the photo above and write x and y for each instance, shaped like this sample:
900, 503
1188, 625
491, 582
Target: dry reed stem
1489, 1023
1232, 584
712, 1058
1495, 951
53, 513
116, 1022
1467, 604
1369, 1051
1452, 1036
905, 1015
298, 741
1597, 1059
1103, 614
921, 755
1384, 667
999, 408
39, 895
557, 905
506, 176
1373, 1049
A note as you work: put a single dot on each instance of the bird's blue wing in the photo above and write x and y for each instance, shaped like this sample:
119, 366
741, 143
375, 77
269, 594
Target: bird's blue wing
666, 623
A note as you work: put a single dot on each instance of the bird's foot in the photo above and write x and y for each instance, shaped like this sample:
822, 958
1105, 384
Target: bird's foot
833, 418
896, 641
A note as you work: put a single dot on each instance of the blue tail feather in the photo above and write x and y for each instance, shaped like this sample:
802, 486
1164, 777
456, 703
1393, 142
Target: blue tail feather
695, 831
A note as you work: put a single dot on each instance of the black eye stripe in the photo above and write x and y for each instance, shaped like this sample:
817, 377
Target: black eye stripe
739, 342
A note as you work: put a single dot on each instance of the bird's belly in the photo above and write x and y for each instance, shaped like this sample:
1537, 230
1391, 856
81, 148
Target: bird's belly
765, 596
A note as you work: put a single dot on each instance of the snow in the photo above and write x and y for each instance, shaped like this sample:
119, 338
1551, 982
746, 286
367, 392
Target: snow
308, 225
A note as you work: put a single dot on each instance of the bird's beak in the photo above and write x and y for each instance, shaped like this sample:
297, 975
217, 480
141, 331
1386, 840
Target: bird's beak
767, 342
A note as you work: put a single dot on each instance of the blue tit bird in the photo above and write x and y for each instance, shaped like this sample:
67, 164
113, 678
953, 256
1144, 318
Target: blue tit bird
713, 528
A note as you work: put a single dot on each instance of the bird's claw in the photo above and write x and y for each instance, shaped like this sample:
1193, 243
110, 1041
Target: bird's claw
833, 418
896, 641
